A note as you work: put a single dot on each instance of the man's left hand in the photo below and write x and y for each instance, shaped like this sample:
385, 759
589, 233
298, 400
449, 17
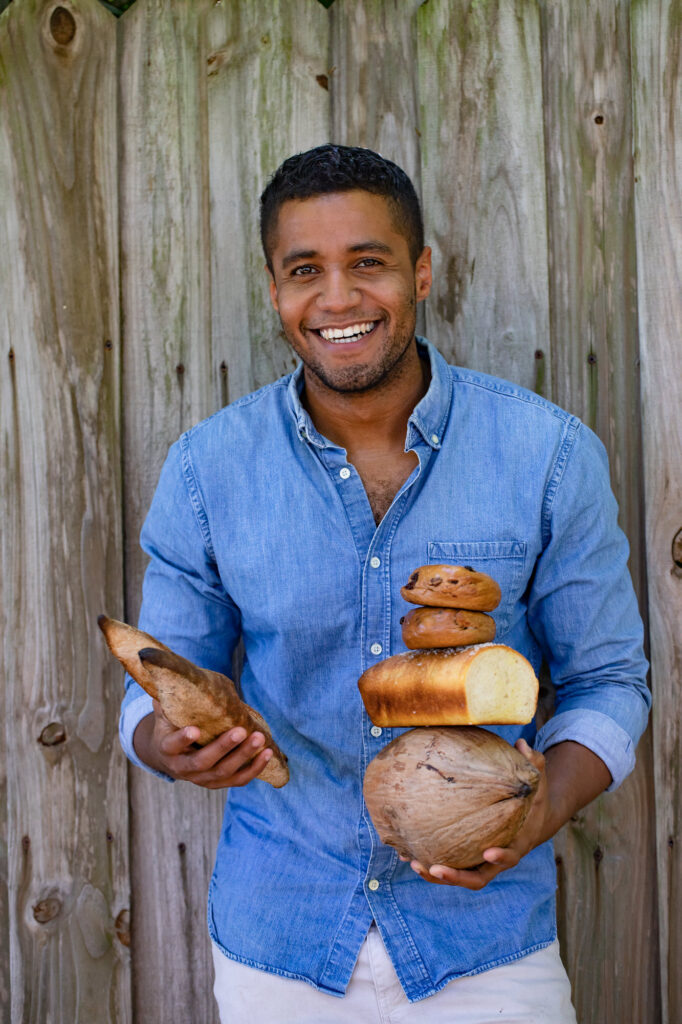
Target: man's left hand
571, 776
533, 832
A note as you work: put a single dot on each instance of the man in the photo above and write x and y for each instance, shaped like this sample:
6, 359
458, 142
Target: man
292, 518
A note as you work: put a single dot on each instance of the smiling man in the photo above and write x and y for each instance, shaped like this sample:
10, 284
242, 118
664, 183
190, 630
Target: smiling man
291, 519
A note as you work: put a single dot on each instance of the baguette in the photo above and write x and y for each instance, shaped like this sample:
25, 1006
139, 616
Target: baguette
189, 695
452, 586
487, 684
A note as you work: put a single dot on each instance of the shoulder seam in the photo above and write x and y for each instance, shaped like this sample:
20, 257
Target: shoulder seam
509, 390
566, 446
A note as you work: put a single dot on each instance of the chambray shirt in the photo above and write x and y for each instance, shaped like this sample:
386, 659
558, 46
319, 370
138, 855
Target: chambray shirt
260, 528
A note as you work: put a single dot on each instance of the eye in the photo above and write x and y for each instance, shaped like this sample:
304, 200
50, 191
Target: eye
369, 261
303, 271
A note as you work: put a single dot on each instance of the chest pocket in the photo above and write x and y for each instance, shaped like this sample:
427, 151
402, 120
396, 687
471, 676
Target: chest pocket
504, 560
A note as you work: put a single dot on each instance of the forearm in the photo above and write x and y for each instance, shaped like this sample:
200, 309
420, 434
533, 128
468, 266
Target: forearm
575, 777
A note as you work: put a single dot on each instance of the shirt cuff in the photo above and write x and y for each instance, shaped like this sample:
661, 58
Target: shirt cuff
132, 714
598, 733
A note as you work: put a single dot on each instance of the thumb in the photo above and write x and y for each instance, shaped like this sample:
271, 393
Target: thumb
534, 756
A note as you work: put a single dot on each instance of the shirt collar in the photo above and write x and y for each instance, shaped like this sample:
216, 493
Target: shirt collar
428, 418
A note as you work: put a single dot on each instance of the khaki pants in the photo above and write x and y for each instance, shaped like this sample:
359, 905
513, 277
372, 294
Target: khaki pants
532, 990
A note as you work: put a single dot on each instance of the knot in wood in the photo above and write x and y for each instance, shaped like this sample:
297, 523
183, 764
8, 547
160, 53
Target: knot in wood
62, 26
677, 549
47, 909
122, 927
52, 734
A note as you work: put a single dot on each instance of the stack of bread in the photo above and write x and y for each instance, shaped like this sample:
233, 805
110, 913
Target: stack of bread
453, 674
442, 795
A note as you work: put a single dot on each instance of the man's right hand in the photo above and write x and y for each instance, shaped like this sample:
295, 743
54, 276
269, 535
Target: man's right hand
228, 760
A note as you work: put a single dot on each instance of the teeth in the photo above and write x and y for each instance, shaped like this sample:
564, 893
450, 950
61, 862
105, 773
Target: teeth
353, 332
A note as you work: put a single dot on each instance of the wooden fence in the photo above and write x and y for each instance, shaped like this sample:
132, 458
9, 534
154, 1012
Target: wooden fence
546, 139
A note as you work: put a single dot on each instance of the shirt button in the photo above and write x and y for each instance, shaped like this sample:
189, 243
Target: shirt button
376, 730
375, 562
373, 884
376, 648
344, 473
435, 438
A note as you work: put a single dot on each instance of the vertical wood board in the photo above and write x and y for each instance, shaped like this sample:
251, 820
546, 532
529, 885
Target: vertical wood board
657, 76
267, 99
482, 167
588, 136
373, 80
169, 383
373, 84
67, 827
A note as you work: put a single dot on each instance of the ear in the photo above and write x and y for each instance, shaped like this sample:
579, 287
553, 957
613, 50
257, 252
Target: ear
273, 289
422, 274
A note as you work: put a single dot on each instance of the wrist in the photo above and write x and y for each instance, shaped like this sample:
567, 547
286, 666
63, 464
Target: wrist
142, 742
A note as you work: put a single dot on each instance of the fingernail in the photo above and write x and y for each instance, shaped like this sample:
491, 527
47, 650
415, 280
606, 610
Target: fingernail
268, 755
257, 739
237, 735
437, 873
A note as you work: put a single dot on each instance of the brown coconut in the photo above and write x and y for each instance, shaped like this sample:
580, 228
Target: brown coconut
444, 795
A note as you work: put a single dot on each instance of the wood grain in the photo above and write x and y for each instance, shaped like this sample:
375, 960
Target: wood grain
588, 131
657, 76
169, 383
134, 303
265, 66
482, 169
372, 84
66, 806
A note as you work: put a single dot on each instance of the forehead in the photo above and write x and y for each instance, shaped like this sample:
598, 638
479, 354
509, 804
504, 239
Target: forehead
336, 220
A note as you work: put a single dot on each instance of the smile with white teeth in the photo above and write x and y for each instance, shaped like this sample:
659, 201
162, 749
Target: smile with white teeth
344, 335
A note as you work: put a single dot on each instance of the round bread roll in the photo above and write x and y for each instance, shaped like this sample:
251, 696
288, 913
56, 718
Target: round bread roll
452, 586
489, 684
446, 627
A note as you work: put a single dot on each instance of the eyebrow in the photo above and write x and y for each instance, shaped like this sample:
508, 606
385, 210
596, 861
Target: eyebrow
371, 245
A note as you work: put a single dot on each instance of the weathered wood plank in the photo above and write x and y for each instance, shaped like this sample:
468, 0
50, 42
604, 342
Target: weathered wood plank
67, 822
267, 99
595, 375
169, 383
373, 84
482, 168
199, 139
372, 80
656, 30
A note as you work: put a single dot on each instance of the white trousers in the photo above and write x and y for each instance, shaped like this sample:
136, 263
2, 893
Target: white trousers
532, 990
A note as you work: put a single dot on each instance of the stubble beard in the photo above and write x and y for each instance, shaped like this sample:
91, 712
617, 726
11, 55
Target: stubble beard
358, 380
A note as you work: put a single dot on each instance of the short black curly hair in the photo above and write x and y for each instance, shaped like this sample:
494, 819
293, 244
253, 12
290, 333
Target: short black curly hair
332, 168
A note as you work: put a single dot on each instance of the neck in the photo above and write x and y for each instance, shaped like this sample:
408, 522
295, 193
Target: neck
377, 417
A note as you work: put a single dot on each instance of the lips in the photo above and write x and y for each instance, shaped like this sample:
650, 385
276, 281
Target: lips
347, 335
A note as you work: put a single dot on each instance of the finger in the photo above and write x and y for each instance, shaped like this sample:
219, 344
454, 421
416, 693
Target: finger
468, 878
175, 742
224, 756
503, 857
534, 756
222, 777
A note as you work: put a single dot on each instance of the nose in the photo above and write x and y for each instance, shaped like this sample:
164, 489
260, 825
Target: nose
337, 292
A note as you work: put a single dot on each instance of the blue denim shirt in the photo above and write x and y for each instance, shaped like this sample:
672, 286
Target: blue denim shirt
260, 528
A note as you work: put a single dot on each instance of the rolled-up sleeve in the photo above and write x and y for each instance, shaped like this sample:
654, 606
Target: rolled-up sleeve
583, 611
184, 604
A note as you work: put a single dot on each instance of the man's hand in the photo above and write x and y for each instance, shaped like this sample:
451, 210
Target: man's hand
571, 776
231, 759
